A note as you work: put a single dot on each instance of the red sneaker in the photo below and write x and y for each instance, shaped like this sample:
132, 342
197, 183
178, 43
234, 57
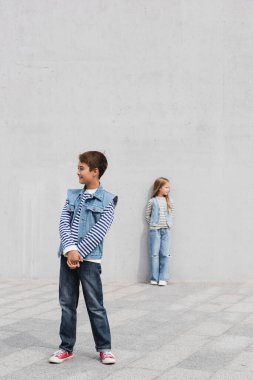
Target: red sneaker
59, 356
107, 358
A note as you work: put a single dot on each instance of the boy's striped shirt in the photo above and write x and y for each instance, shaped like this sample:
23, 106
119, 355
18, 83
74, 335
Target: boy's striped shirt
69, 234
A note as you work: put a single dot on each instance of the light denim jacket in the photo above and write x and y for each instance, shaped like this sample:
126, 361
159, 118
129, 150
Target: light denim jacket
155, 214
90, 214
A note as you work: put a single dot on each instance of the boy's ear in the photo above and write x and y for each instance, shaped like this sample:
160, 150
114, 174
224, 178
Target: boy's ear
95, 171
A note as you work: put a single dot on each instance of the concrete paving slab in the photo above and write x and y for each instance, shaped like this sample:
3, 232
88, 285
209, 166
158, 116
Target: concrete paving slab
168, 356
207, 360
182, 331
53, 315
228, 316
230, 343
134, 374
19, 359
5, 321
244, 361
190, 340
232, 375
229, 299
210, 328
242, 307
248, 319
185, 374
248, 299
177, 306
243, 328
212, 307
137, 342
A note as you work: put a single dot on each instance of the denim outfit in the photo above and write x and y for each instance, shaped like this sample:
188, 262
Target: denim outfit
88, 274
159, 243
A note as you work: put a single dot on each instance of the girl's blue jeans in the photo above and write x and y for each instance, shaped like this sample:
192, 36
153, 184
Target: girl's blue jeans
159, 243
88, 274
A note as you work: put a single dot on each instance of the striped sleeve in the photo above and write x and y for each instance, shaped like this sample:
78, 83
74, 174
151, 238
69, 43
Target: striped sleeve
65, 231
148, 210
97, 232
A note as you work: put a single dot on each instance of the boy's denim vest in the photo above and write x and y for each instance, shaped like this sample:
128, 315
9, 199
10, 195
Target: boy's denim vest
155, 214
90, 214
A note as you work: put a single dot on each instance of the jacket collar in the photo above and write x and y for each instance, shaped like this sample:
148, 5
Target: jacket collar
98, 194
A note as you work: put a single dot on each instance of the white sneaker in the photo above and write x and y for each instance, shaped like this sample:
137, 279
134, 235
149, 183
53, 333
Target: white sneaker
153, 282
162, 283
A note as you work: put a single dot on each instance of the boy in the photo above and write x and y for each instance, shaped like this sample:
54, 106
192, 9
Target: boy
85, 219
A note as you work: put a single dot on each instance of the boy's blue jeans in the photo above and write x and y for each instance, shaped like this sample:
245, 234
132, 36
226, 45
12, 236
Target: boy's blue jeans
159, 243
89, 275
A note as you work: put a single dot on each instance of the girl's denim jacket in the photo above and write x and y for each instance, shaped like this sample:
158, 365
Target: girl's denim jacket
155, 214
90, 214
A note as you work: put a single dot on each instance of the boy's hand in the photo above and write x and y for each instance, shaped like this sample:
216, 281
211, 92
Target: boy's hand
74, 259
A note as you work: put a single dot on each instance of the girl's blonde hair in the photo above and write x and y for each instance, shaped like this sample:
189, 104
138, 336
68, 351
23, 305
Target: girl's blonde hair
160, 182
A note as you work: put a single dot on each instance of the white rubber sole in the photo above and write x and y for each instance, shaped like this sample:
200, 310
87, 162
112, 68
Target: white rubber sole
162, 283
153, 282
108, 361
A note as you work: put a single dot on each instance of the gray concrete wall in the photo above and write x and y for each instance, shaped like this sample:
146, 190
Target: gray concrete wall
164, 88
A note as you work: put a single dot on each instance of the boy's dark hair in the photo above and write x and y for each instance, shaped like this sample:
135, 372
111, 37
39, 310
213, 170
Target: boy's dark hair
94, 159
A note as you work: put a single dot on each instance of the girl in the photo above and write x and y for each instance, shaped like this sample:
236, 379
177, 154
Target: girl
159, 213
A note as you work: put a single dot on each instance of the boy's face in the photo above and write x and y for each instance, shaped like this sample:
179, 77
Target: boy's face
86, 176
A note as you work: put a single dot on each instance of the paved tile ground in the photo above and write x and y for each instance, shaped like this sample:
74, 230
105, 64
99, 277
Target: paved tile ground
184, 331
